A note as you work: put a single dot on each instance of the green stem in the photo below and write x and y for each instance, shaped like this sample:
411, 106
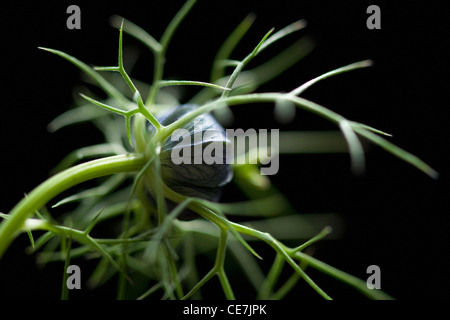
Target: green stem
226, 285
352, 281
133, 88
65, 289
160, 55
173, 272
57, 184
199, 284
266, 289
286, 287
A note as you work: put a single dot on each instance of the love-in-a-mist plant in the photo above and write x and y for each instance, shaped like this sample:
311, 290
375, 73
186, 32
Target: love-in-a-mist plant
145, 197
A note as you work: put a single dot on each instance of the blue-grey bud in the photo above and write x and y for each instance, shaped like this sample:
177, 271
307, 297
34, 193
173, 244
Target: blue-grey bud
200, 180
189, 178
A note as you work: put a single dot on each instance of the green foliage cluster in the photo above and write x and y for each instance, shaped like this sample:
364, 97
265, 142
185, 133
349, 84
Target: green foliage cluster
151, 246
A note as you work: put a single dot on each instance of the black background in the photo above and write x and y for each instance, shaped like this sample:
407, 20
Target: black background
395, 216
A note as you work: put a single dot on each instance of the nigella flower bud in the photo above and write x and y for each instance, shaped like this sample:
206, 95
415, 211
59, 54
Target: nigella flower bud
184, 166
193, 158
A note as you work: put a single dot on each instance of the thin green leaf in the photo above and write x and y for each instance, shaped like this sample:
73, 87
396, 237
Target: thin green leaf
100, 274
244, 62
104, 105
65, 289
43, 239
350, 67
293, 27
30, 236
93, 223
77, 115
136, 32
355, 147
300, 272
150, 291
228, 63
165, 83
322, 234
165, 40
248, 264
349, 279
365, 126
224, 52
251, 79
282, 61
271, 279
396, 151
114, 69
219, 214
100, 191
153, 247
136, 94
101, 82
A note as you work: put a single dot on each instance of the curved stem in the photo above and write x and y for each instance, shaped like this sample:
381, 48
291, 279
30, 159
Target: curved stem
249, 99
59, 183
362, 130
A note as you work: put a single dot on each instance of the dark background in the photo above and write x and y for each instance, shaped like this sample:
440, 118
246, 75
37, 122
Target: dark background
395, 216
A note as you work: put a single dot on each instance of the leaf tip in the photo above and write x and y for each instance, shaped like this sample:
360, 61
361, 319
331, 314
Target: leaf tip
52, 127
300, 24
45, 49
115, 20
433, 174
368, 63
